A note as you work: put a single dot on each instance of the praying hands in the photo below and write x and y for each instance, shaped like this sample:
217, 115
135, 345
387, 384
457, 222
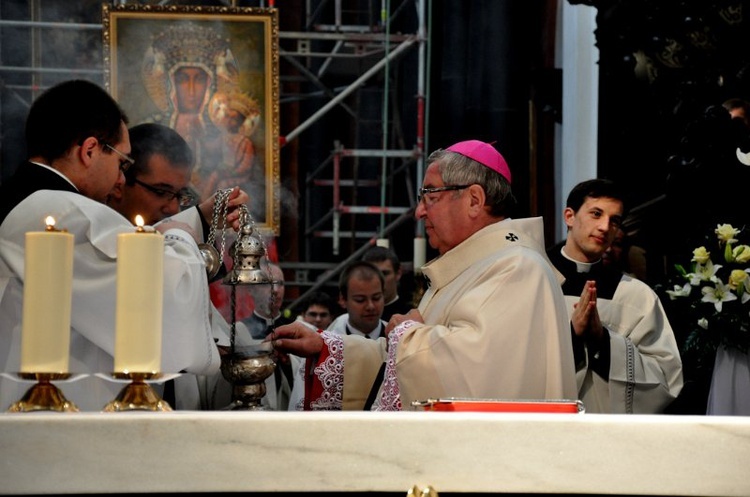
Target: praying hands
585, 317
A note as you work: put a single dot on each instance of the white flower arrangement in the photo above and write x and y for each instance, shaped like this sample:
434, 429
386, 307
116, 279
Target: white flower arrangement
714, 295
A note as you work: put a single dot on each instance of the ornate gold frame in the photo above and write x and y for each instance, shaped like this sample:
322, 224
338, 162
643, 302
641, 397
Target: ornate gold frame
252, 37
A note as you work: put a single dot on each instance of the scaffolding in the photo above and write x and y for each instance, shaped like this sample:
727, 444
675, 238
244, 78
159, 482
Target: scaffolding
358, 41
372, 41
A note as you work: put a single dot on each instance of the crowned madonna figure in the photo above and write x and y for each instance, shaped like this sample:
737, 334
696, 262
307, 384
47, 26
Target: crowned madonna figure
192, 76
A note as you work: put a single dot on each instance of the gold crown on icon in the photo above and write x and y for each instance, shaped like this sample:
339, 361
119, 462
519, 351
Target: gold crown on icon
243, 103
190, 43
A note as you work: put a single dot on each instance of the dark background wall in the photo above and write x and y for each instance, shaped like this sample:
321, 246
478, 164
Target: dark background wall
491, 76
665, 69
487, 58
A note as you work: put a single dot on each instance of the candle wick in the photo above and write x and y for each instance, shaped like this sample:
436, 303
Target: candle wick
139, 229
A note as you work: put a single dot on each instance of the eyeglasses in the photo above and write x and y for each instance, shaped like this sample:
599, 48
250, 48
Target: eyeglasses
184, 197
421, 195
126, 160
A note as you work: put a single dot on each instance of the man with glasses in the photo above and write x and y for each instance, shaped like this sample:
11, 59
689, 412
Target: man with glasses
157, 187
78, 144
125, 160
157, 183
492, 324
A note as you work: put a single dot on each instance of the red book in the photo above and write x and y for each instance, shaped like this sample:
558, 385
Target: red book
494, 405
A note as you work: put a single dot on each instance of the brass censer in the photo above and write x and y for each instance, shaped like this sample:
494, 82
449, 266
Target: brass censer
247, 367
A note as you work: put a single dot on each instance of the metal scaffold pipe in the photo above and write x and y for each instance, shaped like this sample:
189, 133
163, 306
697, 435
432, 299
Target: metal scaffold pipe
354, 86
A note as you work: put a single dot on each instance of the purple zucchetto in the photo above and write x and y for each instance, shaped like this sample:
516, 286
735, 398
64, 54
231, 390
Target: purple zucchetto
484, 153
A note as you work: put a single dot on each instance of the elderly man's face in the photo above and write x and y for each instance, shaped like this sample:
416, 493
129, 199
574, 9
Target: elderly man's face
444, 213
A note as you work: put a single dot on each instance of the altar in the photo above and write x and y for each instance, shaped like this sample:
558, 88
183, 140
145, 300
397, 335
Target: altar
255, 452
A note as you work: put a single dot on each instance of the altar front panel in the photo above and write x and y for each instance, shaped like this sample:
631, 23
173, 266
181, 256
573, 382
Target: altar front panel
137, 452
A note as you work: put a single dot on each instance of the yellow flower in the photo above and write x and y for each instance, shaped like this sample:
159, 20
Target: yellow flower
726, 233
701, 255
717, 315
741, 253
736, 278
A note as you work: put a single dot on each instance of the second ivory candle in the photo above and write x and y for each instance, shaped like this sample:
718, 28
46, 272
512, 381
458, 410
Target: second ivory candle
140, 284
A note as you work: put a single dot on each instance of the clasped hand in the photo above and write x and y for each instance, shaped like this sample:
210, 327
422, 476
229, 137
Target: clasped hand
585, 318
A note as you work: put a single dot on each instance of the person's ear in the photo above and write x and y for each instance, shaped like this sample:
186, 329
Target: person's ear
569, 215
88, 150
477, 197
342, 301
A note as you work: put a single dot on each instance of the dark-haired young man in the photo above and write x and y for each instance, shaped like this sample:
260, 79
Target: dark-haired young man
389, 264
319, 310
78, 145
157, 187
361, 293
627, 358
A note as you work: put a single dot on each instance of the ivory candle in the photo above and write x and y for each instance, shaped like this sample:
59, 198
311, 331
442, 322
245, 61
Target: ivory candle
420, 251
138, 317
47, 293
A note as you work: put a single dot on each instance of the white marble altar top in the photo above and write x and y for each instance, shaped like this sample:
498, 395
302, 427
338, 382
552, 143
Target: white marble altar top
185, 451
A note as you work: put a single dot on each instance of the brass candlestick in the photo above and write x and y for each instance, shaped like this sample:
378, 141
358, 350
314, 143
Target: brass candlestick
43, 395
137, 395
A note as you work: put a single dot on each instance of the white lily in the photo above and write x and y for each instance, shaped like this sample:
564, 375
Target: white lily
704, 272
679, 291
717, 295
746, 294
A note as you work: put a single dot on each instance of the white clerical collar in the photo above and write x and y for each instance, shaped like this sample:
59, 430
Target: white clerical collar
268, 321
56, 172
581, 267
351, 330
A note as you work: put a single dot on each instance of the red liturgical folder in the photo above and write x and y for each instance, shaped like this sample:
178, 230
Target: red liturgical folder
493, 405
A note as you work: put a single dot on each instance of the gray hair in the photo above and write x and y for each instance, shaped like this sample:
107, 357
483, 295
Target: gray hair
457, 169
